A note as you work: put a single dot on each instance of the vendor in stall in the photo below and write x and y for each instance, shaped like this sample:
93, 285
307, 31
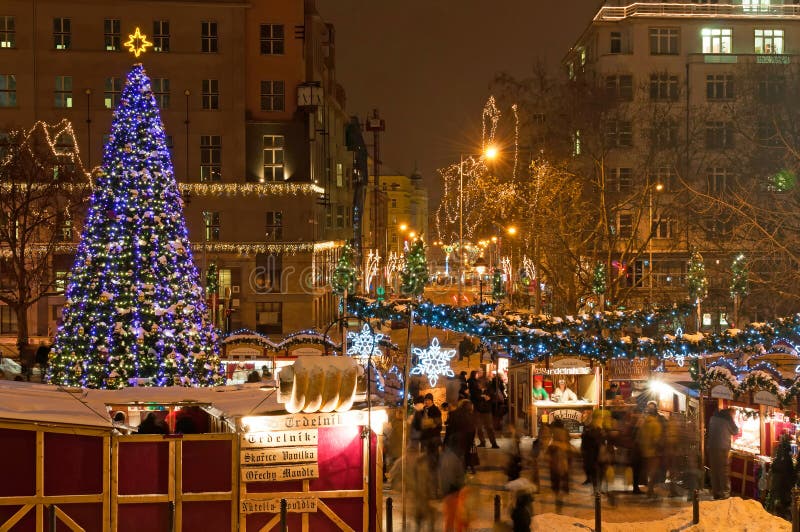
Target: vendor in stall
562, 394
539, 393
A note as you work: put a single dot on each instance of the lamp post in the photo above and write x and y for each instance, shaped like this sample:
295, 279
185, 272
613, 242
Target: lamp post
489, 153
480, 267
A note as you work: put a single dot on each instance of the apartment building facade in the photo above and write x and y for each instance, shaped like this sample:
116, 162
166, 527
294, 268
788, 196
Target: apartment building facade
255, 120
681, 76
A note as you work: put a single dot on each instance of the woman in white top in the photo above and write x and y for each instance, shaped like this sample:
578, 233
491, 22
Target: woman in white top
562, 394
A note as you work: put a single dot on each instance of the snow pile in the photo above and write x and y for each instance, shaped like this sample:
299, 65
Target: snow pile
732, 514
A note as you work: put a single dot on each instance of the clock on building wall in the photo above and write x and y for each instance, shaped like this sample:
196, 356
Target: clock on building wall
309, 95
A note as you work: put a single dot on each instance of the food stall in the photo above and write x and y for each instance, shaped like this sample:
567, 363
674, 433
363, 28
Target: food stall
245, 452
580, 375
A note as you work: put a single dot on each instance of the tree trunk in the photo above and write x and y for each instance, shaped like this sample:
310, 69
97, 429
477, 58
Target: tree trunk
22, 327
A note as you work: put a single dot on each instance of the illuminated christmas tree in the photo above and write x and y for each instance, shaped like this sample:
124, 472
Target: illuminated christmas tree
414, 276
344, 276
134, 306
498, 284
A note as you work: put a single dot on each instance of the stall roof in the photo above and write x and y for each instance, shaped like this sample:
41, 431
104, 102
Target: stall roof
42, 403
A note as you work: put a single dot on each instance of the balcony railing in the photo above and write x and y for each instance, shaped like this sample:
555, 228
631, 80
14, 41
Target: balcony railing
669, 9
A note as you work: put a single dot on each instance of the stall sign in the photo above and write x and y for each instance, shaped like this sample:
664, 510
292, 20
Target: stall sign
245, 353
304, 421
280, 438
284, 455
564, 366
273, 506
764, 397
629, 369
720, 391
280, 473
571, 418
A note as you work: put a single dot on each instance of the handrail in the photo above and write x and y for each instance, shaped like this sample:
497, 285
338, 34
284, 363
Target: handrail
672, 9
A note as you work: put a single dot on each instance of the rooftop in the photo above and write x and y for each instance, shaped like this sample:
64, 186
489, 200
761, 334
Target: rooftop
614, 10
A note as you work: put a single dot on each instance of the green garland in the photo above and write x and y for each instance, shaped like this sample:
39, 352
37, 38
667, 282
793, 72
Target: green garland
739, 277
696, 277
599, 283
345, 275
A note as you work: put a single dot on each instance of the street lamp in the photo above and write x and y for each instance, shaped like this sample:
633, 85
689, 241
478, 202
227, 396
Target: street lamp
489, 153
480, 267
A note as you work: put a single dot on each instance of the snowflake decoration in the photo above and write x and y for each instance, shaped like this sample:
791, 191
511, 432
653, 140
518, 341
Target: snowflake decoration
433, 361
363, 344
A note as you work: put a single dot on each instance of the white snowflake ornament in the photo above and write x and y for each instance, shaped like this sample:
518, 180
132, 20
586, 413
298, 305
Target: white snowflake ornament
364, 343
433, 362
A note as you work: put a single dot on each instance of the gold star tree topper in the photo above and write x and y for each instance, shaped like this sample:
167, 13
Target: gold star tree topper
137, 43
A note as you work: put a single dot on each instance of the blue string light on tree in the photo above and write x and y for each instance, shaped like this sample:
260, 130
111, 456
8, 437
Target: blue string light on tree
433, 362
364, 344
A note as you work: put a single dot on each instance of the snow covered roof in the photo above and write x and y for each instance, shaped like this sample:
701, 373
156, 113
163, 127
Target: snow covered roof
42, 403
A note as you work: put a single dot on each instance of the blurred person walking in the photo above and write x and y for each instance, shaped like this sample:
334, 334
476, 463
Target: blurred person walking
721, 428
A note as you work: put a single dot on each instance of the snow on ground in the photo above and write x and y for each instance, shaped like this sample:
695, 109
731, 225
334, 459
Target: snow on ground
732, 514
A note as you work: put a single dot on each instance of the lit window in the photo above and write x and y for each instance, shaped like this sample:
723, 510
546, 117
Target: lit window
63, 93
768, 42
271, 39
161, 36
339, 175
8, 33
716, 40
273, 157
111, 29
274, 226
211, 222
113, 88
61, 33
755, 6
273, 95
210, 158
208, 37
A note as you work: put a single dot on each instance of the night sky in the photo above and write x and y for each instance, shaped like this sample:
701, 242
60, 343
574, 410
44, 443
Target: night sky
427, 65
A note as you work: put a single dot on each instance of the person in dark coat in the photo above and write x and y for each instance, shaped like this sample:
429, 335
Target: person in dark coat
463, 390
459, 435
428, 422
591, 440
721, 428
558, 452
484, 407
42, 354
473, 387
151, 425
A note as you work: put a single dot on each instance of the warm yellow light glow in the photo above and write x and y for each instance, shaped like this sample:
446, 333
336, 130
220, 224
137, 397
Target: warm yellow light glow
412, 234
494, 239
512, 230
659, 187
490, 152
403, 227
137, 43
480, 269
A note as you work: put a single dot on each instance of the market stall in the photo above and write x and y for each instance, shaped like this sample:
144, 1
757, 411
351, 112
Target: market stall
530, 408
192, 458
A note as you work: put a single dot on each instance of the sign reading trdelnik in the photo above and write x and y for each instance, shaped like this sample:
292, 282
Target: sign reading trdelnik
279, 438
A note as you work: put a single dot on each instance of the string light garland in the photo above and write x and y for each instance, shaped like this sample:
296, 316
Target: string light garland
134, 309
261, 190
309, 336
433, 362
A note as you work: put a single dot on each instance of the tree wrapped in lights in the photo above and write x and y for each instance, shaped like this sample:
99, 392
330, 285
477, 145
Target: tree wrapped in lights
345, 276
697, 282
134, 306
415, 270
599, 279
739, 286
498, 284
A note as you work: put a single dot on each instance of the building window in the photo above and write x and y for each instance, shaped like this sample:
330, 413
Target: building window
665, 134
60, 281
160, 87
63, 93
113, 89
661, 227
273, 95
767, 134
271, 39
269, 317
161, 35
211, 222
274, 227
340, 216
8, 32
665, 176
769, 42
61, 33
619, 133
755, 6
225, 281
719, 135
719, 86
663, 87
716, 40
210, 94
620, 87
273, 158
112, 34
717, 180
619, 179
208, 37
8, 90
664, 41
771, 88
625, 225
267, 275
616, 42
65, 231
8, 320
576, 143
339, 175
210, 158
